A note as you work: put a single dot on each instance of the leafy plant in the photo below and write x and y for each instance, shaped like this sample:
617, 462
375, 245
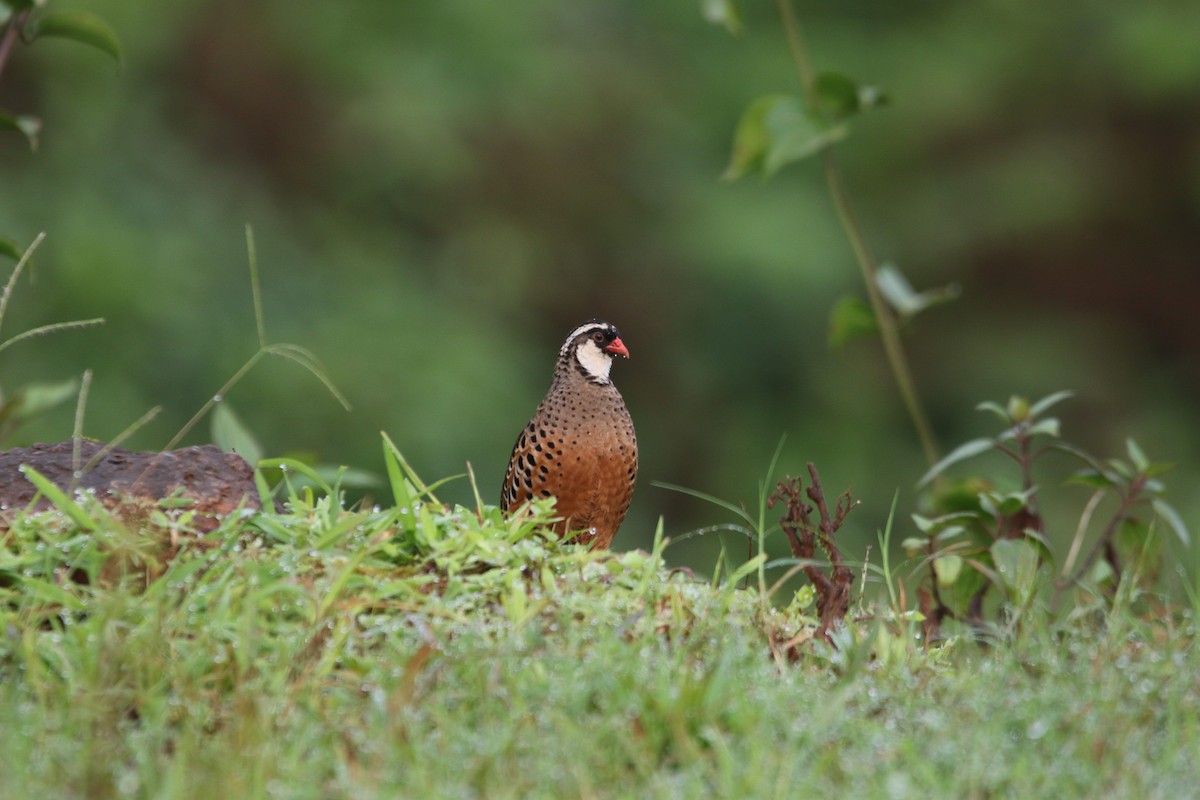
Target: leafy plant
23, 21
778, 129
981, 539
987, 538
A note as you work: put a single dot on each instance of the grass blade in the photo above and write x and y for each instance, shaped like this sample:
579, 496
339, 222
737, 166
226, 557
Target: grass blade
59, 498
716, 501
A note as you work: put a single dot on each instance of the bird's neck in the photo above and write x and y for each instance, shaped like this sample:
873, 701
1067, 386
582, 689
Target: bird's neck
569, 373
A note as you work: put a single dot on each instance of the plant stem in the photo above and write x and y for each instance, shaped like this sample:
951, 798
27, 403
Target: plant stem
212, 401
1128, 500
867, 264
8, 36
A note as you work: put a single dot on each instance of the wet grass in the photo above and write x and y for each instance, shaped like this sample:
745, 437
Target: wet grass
423, 652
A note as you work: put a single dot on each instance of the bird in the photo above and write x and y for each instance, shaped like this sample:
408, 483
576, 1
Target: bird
580, 446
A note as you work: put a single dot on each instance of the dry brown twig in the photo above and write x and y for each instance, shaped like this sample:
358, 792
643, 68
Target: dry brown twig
805, 535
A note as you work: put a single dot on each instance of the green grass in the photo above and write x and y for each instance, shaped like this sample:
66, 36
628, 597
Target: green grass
423, 652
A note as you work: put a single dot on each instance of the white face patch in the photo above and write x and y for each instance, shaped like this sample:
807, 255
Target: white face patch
594, 360
586, 327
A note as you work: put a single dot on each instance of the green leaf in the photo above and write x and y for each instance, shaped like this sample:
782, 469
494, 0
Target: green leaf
1046, 427
402, 491
269, 525
960, 453
839, 96
289, 465
232, 436
1011, 503
987, 504
794, 135
750, 139
1169, 515
1134, 535
906, 300
407, 486
924, 524
340, 582
774, 131
265, 495
947, 569
1121, 468
1091, 477
748, 568
1016, 564
1079, 453
995, 408
945, 526
951, 531
35, 398
1138, 538
1158, 468
10, 248
40, 397
1101, 572
27, 126
59, 498
851, 318
79, 26
1049, 400
896, 288
1039, 542
1137, 456
971, 580
1011, 434
726, 13
51, 594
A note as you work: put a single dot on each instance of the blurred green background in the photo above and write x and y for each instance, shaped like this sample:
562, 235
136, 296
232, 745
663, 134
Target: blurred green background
441, 190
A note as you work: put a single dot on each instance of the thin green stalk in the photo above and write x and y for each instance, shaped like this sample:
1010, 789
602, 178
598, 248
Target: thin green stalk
764, 494
1129, 499
16, 273
289, 351
85, 385
255, 290
868, 265
212, 401
115, 442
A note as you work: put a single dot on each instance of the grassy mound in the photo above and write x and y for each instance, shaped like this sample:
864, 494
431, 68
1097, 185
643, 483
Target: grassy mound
431, 652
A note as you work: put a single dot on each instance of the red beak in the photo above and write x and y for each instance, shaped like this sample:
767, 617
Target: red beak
618, 348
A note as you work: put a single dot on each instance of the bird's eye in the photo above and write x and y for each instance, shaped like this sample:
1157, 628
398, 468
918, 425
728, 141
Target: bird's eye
598, 336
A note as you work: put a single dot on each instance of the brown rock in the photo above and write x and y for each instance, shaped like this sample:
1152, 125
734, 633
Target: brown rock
216, 482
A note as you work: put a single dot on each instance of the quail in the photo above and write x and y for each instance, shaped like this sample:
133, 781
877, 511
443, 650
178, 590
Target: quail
580, 446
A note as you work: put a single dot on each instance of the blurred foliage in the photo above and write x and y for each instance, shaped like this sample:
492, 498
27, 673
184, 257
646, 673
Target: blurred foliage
985, 537
442, 190
23, 22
